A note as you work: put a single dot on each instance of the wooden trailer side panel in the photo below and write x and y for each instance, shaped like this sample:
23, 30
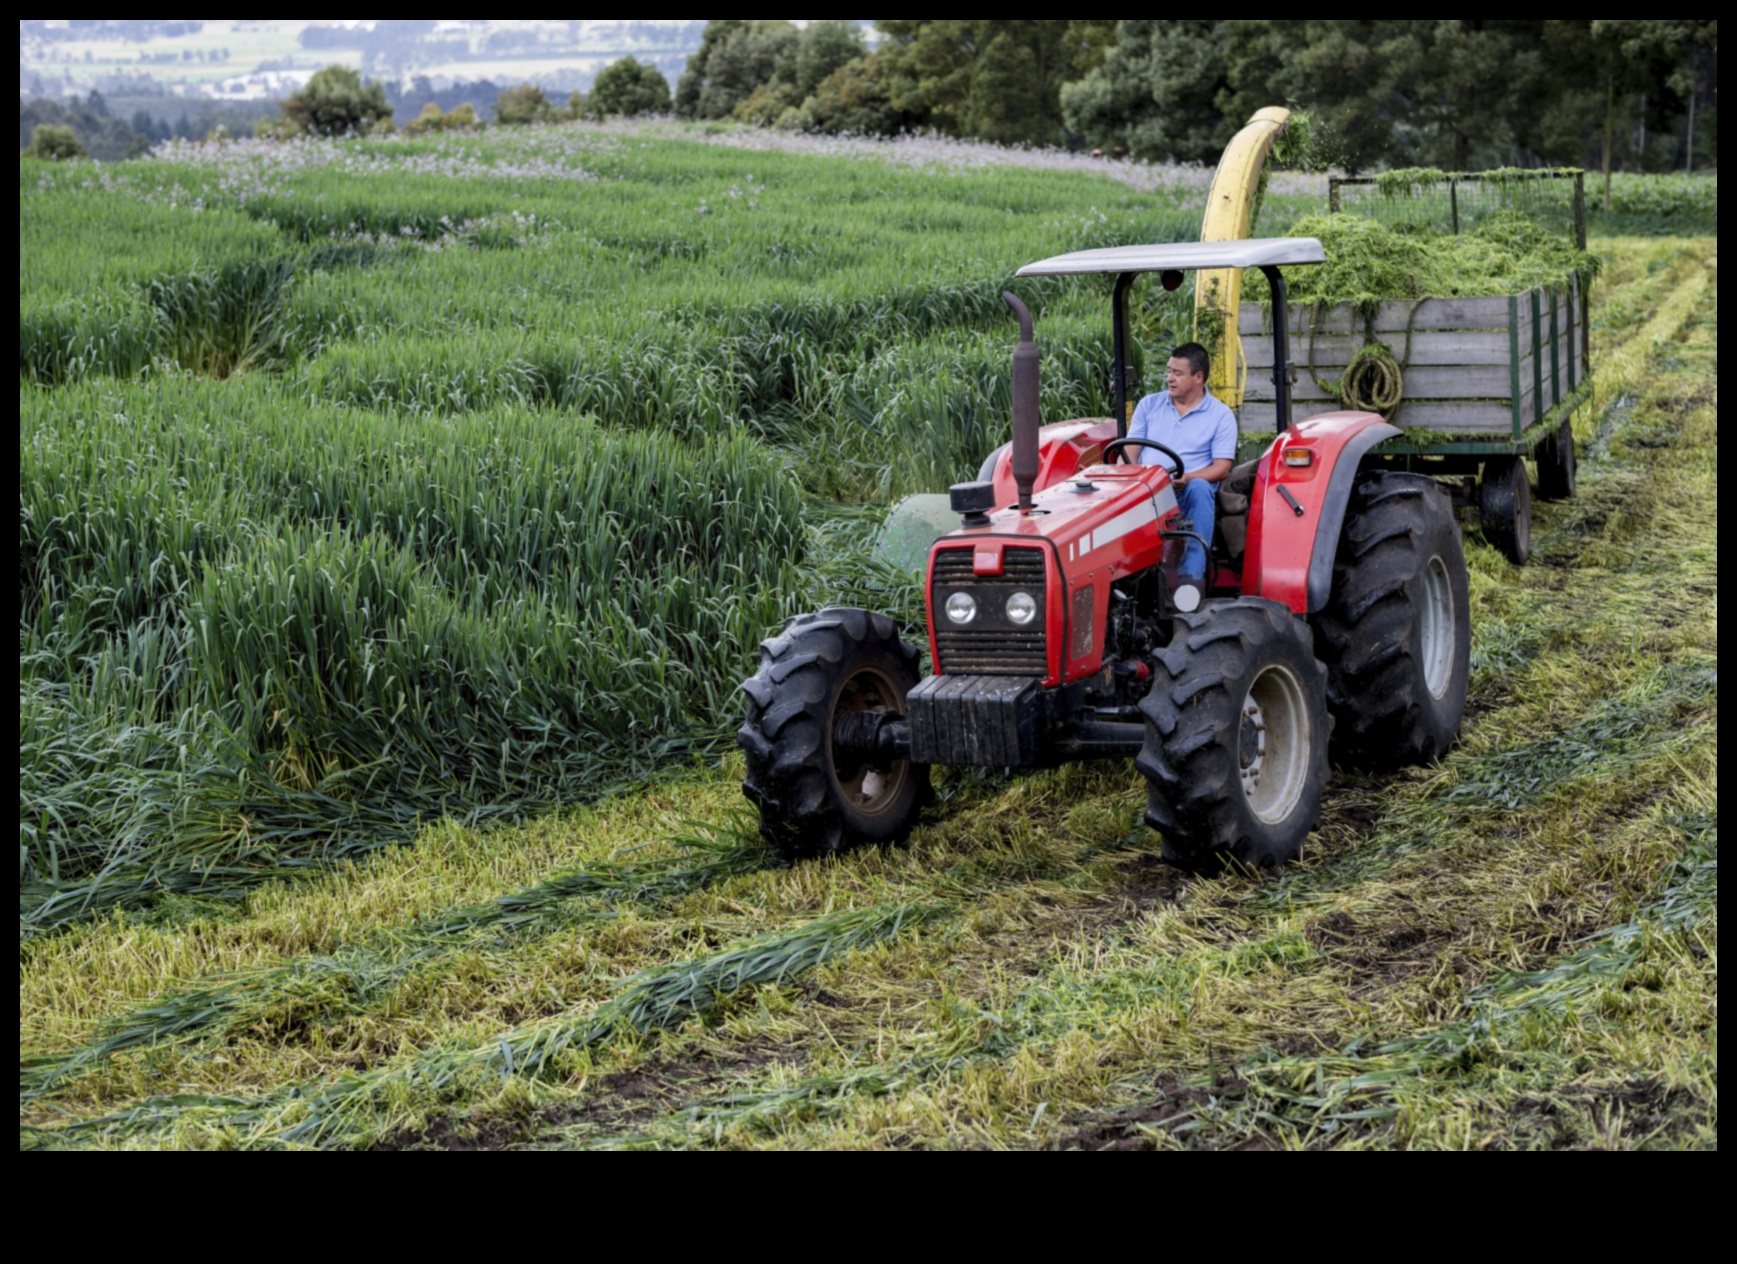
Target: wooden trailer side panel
1487, 367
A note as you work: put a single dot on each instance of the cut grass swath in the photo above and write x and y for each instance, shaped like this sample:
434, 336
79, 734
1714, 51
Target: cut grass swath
352, 977
657, 999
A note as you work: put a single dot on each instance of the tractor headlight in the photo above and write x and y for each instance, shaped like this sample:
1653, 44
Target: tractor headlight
1021, 608
961, 608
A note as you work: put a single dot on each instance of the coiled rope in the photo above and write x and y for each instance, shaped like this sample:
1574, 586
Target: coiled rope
1373, 380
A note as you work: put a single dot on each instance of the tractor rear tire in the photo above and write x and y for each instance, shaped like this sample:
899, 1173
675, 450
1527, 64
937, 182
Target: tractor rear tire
1396, 634
814, 800
1505, 507
1556, 463
1236, 736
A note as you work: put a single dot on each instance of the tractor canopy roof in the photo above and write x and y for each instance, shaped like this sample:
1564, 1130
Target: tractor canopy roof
1186, 256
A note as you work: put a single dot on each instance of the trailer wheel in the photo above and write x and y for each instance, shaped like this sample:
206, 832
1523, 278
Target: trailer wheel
1236, 736
1556, 463
822, 680
1396, 633
1505, 507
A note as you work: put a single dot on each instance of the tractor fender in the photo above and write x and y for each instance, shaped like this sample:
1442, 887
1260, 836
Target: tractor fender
1297, 511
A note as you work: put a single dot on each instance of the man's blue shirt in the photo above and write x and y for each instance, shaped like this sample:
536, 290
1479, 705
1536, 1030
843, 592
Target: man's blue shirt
1206, 433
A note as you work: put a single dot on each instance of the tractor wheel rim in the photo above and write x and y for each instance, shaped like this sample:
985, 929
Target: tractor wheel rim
1437, 630
1273, 744
868, 790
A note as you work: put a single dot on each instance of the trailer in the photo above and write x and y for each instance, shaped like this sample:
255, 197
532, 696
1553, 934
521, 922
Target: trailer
1485, 383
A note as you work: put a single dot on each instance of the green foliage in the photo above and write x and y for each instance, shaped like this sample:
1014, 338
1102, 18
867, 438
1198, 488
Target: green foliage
767, 105
101, 135
819, 50
789, 98
1660, 204
515, 107
734, 58
993, 79
168, 282
824, 48
433, 119
379, 622
57, 144
337, 102
853, 99
1459, 94
1156, 91
628, 86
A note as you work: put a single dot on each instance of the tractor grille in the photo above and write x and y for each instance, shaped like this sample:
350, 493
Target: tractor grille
990, 645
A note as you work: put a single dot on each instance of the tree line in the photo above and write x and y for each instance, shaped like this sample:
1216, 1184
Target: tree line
110, 129
1463, 95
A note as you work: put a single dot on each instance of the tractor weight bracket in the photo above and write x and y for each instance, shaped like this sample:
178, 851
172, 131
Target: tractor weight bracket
1098, 739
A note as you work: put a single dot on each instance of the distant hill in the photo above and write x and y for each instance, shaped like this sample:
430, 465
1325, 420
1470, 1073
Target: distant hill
241, 59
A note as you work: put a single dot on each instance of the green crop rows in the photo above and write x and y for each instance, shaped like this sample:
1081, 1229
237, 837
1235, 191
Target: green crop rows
366, 484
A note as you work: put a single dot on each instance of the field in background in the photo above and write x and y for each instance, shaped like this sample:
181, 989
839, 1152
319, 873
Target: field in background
369, 485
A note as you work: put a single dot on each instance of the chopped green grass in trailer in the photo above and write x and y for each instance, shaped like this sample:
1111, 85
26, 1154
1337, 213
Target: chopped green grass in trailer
1369, 262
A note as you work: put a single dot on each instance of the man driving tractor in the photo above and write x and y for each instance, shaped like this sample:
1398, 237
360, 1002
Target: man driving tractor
1202, 431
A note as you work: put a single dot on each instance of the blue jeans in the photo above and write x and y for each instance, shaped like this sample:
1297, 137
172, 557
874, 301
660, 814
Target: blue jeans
1199, 501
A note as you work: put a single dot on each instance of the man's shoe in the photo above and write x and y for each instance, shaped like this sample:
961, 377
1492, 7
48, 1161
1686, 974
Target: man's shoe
1190, 589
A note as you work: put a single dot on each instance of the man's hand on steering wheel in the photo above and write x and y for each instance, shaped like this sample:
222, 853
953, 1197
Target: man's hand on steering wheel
1119, 447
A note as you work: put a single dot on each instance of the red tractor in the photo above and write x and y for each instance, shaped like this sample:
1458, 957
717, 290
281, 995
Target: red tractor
1336, 609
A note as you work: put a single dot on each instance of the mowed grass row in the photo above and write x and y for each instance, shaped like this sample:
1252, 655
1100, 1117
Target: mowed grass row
1058, 989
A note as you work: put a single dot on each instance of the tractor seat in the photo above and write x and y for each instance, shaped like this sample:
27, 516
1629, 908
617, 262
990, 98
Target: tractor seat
1230, 522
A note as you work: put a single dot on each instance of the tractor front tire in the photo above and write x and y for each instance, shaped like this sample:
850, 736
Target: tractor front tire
1236, 736
1396, 634
813, 799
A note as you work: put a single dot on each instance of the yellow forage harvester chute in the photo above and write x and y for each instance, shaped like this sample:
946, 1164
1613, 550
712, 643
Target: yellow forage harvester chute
1236, 188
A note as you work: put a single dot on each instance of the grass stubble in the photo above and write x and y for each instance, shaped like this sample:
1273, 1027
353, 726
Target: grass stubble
1515, 948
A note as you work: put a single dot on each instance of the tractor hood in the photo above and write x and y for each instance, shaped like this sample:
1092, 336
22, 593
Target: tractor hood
1080, 536
1083, 516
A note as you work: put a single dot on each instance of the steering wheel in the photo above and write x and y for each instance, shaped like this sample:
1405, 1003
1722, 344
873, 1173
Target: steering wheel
1118, 448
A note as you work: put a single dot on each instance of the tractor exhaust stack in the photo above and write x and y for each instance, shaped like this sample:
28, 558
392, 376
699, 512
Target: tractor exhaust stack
1026, 360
